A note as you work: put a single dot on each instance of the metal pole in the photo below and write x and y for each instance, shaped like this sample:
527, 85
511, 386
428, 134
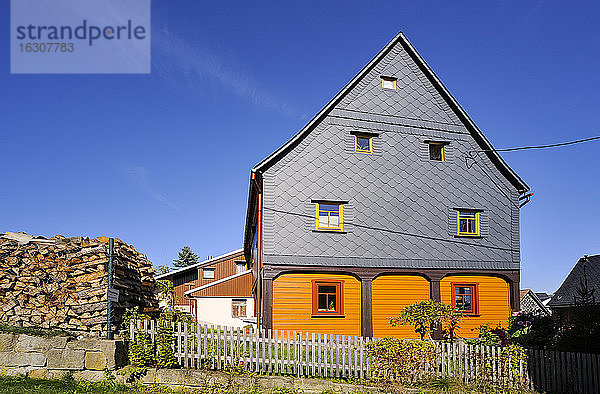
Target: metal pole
109, 307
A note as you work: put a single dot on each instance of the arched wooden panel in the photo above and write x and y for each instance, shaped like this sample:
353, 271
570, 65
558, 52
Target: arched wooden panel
493, 301
292, 305
391, 293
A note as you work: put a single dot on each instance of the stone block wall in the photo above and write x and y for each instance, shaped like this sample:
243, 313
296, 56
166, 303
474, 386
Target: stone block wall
53, 357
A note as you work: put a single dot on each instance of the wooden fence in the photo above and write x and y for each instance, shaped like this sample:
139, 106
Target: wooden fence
294, 353
564, 372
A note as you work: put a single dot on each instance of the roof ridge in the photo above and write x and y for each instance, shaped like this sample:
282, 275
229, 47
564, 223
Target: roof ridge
199, 264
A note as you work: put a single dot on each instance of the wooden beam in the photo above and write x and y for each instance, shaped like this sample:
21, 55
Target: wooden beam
366, 307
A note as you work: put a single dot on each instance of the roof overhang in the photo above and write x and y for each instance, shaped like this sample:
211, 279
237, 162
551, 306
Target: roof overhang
210, 261
217, 282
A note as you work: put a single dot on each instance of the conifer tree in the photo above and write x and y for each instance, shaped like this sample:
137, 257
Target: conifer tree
186, 257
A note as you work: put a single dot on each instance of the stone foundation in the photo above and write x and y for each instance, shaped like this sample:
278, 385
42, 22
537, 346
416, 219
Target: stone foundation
52, 358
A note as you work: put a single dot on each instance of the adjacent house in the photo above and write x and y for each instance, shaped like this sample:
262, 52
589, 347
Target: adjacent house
216, 291
388, 196
532, 303
586, 273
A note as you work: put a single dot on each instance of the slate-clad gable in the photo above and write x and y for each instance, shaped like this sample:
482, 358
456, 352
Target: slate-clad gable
392, 195
401, 206
414, 97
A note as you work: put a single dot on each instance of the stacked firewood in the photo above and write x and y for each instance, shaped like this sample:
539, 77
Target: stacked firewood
62, 282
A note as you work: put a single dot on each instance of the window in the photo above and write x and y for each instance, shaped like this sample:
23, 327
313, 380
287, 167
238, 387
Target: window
330, 216
238, 308
328, 298
436, 151
208, 273
363, 143
388, 83
464, 297
240, 266
467, 223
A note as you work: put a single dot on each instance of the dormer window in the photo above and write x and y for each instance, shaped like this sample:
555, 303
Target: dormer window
388, 82
363, 143
436, 151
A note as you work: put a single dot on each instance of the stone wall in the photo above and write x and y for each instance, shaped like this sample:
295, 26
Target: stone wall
51, 358
61, 282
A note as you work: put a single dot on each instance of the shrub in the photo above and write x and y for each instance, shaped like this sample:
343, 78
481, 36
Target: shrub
428, 314
398, 360
538, 332
164, 341
490, 336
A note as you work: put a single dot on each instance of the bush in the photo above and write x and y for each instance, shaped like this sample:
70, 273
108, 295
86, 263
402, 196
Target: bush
398, 360
427, 315
490, 336
531, 331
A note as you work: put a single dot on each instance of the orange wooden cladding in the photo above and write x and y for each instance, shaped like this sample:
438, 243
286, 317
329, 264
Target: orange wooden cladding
223, 268
391, 294
292, 305
493, 301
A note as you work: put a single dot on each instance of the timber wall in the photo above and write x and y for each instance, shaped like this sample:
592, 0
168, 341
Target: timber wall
292, 305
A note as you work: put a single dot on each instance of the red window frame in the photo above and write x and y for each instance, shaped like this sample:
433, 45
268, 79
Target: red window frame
474, 298
339, 296
239, 308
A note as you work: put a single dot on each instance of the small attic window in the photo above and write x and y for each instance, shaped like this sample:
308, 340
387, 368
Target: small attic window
388, 82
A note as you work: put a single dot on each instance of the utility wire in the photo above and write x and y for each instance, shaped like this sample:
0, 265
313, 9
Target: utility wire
387, 230
542, 146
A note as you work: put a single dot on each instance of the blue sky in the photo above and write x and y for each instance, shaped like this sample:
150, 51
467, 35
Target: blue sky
162, 160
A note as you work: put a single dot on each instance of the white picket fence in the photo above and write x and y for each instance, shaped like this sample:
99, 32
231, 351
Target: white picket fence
276, 352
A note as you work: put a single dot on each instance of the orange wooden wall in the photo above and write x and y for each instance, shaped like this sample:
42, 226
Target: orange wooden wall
292, 305
390, 294
493, 301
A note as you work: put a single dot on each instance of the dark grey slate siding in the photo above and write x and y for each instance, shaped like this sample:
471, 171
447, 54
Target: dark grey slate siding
401, 206
566, 293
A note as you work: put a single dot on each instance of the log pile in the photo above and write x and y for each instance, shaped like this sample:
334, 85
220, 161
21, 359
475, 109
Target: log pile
62, 282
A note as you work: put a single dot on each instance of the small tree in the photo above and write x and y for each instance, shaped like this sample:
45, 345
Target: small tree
186, 257
163, 269
586, 313
427, 315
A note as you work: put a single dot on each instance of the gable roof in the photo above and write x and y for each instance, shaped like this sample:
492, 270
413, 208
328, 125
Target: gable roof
400, 38
565, 295
210, 261
531, 303
485, 145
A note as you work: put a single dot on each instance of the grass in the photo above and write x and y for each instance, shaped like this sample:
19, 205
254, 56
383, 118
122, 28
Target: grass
39, 386
35, 331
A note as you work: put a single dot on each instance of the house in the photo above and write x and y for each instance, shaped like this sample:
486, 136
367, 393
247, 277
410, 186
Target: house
532, 303
388, 196
215, 291
585, 272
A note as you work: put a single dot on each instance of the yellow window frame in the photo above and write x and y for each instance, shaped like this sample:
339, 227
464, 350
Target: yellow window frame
476, 219
389, 79
340, 226
442, 148
357, 149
